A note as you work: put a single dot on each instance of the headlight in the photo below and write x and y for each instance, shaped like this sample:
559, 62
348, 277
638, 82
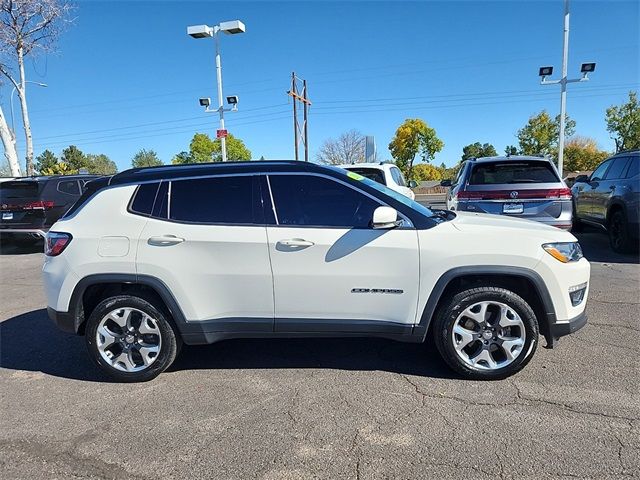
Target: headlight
564, 251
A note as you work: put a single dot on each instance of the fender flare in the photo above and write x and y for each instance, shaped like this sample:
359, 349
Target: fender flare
534, 277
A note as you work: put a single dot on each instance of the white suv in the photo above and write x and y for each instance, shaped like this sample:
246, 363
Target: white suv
385, 173
151, 258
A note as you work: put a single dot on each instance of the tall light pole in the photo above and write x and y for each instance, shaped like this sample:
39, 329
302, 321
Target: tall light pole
203, 31
586, 68
14, 91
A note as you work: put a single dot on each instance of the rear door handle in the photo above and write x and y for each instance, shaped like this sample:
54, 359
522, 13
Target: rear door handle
165, 240
296, 242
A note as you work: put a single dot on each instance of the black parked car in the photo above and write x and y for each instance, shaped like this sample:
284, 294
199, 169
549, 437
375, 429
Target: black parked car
30, 205
610, 199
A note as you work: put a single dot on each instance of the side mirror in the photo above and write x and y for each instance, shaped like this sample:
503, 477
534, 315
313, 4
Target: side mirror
385, 218
445, 183
412, 184
581, 179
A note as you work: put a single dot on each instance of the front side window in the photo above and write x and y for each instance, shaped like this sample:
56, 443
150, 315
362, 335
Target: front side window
227, 200
309, 200
396, 174
617, 167
70, 187
598, 174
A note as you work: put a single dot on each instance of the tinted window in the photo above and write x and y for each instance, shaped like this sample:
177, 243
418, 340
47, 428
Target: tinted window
162, 201
18, 189
143, 198
370, 173
512, 172
634, 166
598, 174
319, 201
228, 200
396, 174
617, 167
69, 187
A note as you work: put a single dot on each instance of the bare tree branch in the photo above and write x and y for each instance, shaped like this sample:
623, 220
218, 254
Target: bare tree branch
347, 148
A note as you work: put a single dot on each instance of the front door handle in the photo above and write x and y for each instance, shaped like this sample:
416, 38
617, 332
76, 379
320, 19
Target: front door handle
296, 242
165, 240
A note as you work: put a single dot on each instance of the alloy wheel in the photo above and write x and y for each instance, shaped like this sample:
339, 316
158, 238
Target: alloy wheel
128, 339
488, 335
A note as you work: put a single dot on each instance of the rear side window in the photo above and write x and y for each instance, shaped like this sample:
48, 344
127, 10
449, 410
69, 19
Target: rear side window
370, 173
634, 166
70, 187
617, 167
227, 200
143, 199
512, 172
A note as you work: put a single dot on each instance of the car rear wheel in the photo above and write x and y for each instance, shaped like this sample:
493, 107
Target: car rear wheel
486, 333
619, 237
130, 339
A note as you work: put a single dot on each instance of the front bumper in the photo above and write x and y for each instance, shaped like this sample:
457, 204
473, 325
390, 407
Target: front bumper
565, 327
63, 320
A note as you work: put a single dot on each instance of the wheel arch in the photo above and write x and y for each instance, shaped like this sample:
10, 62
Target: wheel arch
614, 206
92, 289
523, 281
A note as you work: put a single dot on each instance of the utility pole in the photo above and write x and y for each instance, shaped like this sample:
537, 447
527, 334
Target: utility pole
585, 69
306, 103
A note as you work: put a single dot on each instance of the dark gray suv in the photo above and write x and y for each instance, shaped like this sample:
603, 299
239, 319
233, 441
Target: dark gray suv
517, 186
609, 199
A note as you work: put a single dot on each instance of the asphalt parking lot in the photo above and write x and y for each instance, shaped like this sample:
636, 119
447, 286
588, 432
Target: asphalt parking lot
322, 408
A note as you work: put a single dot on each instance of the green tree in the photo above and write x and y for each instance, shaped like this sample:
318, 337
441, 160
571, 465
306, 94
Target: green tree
59, 168
100, 164
182, 158
477, 150
541, 133
414, 138
45, 160
623, 122
202, 149
425, 171
582, 153
146, 158
74, 158
510, 150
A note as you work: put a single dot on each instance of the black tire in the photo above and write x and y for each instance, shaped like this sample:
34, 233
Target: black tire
446, 318
169, 346
618, 229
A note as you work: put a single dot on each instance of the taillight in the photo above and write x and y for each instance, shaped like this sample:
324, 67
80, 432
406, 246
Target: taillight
552, 193
39, 205
56, 242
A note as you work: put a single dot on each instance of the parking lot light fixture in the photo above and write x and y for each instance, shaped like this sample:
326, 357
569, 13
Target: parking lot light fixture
544, 72
231, 27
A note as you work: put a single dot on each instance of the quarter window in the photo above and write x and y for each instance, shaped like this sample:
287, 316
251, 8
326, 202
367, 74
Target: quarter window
617, 167
309, 200
144, 197
70, 187
227, 200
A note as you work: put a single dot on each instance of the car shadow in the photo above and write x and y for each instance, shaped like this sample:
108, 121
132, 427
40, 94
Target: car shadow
31, 342
595, 246
12, 247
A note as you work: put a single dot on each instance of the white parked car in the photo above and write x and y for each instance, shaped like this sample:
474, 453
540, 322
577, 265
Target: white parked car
152, 258
385, 173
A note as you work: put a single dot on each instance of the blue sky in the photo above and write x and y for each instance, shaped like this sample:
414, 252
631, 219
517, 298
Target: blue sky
127, 76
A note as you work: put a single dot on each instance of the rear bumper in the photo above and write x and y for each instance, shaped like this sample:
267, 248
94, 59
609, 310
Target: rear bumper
63, 320
566, 327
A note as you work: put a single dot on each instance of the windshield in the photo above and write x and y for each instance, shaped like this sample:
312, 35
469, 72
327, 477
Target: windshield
370, 173
387, 191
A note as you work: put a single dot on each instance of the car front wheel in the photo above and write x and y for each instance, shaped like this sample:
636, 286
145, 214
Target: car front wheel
486, 333
130, 339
